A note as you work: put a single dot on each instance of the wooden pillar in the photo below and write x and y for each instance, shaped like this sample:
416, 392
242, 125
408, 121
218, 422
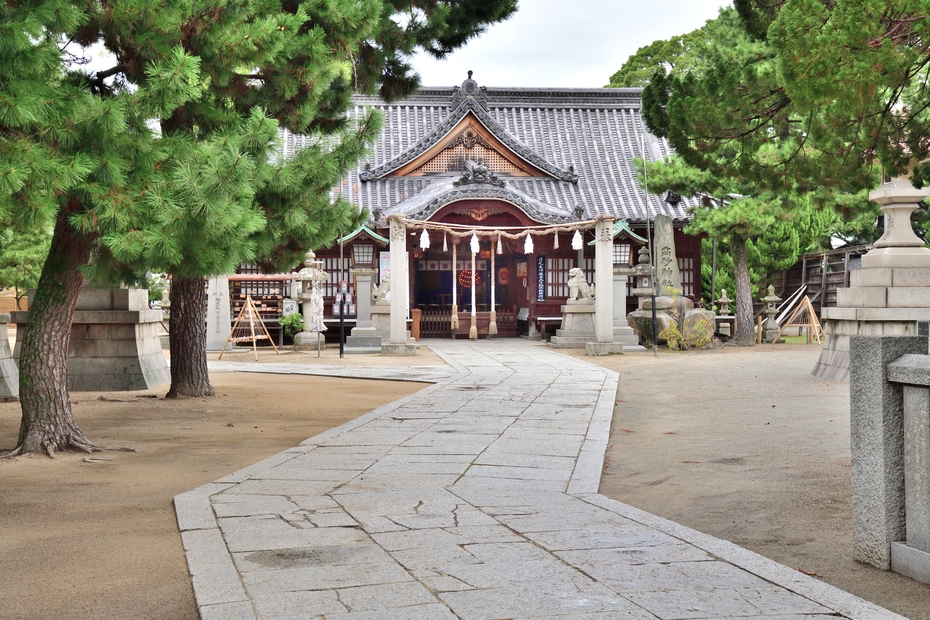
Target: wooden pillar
492, 325
473, 329
454, 324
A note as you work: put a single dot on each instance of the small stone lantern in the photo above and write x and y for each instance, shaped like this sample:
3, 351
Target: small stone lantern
769, 326
642, 274
723, 320
311, 278
724, 302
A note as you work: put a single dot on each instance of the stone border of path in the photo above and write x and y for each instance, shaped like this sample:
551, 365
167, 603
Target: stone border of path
219, 590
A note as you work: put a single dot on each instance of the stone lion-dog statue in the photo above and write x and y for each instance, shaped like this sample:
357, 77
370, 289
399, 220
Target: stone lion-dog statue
379, 292
578, 287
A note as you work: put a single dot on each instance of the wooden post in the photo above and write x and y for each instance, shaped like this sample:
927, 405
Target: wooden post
492, 325
473, 329
454, 323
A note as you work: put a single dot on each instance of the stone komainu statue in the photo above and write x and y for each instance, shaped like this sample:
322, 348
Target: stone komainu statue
578, 287
379, 292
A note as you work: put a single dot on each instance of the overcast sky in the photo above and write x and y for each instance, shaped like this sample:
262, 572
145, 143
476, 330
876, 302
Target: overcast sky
575, 43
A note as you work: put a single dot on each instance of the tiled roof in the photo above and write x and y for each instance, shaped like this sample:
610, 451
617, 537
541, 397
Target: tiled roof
583, 141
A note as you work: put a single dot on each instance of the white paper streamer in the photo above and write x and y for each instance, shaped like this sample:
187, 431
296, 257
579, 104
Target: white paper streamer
424, 240
577, 241
474, 243
528, 245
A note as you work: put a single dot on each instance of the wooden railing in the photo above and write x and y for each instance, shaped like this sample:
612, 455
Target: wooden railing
435, 322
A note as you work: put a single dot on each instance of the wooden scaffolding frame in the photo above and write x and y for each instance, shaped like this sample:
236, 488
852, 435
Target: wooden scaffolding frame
250, 313
803, 316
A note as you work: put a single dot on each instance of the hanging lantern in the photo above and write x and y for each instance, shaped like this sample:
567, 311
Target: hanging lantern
555, 241
445, 243
528, 244
475, 248
424, 240
500, 249
577, 241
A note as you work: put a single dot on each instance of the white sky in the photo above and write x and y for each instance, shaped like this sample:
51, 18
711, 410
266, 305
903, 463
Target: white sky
574, 44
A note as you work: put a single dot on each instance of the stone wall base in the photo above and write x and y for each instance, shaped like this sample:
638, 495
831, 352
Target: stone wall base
910, 562
398, 349
596, 349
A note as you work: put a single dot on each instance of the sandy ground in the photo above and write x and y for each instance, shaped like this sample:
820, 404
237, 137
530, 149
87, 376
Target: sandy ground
745, 445
95, 536
741, 443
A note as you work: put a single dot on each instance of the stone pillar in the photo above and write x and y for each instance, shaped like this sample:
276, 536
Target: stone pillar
911, 557
9, 372
877, 445
364, 337
398, 344
218, 319
667, 274
363, 278
604, 290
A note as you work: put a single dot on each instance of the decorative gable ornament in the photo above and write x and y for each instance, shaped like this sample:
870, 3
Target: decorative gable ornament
477, 172
469, 127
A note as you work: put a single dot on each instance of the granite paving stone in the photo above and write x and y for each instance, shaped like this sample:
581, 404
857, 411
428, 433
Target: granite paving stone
475, 498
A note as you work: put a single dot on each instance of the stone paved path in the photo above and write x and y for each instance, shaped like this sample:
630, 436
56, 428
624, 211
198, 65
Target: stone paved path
475, 498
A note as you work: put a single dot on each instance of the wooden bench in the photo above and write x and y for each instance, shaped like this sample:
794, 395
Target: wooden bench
545, 321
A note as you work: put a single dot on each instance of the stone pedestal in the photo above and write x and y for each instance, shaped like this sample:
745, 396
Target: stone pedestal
114, 342
381, 321
364, 337
308, 341
9, 373
381, 324
577, 327
891, 291
623, 333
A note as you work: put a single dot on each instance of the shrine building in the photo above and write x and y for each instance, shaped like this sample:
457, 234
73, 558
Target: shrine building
497, 166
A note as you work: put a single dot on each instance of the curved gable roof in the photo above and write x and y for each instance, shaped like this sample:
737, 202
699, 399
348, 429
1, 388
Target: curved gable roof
474, 105
597, 131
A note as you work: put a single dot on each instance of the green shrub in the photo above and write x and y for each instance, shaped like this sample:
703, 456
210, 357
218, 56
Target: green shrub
293, 324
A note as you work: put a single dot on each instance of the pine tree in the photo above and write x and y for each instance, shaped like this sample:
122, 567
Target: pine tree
296, 64
203, 192
743, 145
75, 160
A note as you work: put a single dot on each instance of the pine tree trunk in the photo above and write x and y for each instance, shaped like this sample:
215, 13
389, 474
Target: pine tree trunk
744, 323
188, 339
47, 423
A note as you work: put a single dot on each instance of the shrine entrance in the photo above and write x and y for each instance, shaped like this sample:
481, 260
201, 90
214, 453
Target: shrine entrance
442, 273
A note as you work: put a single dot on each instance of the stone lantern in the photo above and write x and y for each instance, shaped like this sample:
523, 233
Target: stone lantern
769, 326
723, 316
311, 278
642, 274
